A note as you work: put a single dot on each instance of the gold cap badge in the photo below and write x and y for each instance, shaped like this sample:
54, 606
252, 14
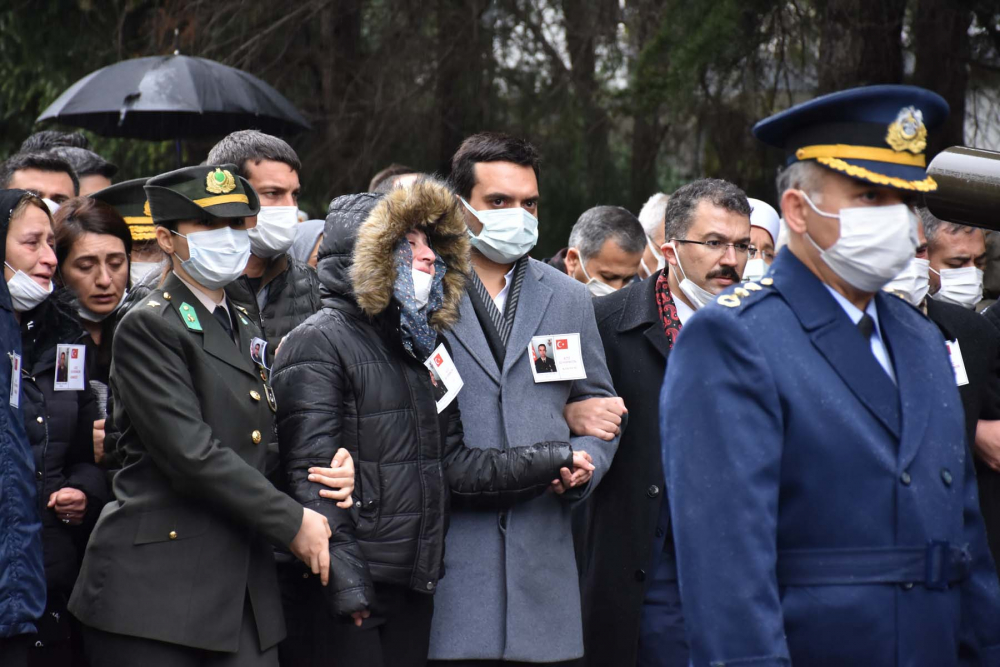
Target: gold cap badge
907, 132
220, 182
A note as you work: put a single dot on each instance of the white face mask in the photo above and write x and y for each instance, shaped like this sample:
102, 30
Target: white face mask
139, 270
508, 234
755, 270
217, 257
697, 295
90, 316
274, 232
25, 293
660, 260
912, 282
875, 244
962, 287
421, 287
596, 287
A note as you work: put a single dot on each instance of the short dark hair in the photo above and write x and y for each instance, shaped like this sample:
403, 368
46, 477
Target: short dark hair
39, 161
245, 146
488, 147
49, 139
541, 345
85, 215
680, 209
389, 174
85, 162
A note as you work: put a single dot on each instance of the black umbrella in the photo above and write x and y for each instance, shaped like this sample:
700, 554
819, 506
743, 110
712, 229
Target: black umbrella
173, 97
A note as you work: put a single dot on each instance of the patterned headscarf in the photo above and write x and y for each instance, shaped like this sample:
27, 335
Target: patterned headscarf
418, 336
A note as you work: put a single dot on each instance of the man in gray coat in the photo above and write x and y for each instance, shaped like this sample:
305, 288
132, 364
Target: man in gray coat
511, 593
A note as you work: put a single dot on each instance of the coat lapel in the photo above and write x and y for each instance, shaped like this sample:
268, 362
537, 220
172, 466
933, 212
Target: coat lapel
215, 341
535, 297
640, 312
470, 335
837, 339
910, 351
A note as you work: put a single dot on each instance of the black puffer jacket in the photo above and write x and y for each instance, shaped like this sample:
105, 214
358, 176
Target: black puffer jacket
344, 379
60, 428
292, 297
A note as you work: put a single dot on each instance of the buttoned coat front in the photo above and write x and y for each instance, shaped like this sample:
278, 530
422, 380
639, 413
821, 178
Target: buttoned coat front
800, 478
190, 533
511, 589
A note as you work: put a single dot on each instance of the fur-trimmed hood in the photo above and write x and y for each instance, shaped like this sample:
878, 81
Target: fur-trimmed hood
368, 274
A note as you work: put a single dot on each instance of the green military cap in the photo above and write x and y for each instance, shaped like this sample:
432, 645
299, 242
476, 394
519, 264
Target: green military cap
129, 199
202, 192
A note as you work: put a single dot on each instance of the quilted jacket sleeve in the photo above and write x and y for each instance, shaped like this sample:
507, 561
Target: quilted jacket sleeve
309, 385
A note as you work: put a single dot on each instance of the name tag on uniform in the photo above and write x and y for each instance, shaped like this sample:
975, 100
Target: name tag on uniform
445, 380
957, 363
15, 379
556, 357
69, 367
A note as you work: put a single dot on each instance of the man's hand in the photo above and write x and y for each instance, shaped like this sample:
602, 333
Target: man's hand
988, 442
359, 616
598, 417
311, 544
98, 441
339, 476
583, 470
69, 505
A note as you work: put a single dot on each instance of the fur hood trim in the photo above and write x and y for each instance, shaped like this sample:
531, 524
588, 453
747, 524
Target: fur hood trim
426, 205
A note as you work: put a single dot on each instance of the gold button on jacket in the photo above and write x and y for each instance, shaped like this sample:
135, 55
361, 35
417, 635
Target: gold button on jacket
172, 535
255, 436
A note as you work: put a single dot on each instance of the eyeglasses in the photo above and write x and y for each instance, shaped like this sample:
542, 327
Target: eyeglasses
765, 254
718, 247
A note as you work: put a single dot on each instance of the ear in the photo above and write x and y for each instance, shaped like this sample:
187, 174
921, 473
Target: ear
669, 253
795, 210
572, 261
164, 239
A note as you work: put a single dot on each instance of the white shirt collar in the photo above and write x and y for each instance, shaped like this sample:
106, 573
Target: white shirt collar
684, 311
205, 299
501, 298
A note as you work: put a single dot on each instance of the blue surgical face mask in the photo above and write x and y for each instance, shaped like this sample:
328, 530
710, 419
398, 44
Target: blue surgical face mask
216, 257
508, 234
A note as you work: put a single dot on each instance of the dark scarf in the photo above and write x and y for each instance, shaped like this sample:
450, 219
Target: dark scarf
668, 311
419, 338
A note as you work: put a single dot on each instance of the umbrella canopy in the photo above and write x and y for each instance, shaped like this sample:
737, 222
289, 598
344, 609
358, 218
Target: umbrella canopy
173, 97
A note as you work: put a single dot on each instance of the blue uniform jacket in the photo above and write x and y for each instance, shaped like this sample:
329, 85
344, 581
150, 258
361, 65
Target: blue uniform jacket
806, 491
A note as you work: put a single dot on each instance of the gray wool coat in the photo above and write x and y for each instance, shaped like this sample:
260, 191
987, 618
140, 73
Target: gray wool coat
513, 593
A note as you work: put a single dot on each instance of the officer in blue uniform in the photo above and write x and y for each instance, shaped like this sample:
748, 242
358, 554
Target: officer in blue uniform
822, 494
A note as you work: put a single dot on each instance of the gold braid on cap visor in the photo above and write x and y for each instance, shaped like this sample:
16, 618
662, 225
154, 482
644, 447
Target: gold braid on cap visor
833, 156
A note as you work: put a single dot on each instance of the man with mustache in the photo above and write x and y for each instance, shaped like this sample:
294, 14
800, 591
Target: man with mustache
707, 242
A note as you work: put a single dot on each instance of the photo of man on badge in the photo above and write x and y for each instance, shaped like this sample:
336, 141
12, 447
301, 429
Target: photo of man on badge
543, 362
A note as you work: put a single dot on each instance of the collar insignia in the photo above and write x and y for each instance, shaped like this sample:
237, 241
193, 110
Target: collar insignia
220, 182
907, 132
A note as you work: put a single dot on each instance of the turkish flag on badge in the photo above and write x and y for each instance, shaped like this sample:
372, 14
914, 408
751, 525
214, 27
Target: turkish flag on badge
562, 344
74, 354
438, 360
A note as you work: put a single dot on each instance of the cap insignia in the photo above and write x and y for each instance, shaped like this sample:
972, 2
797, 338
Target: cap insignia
907, 132
220, 182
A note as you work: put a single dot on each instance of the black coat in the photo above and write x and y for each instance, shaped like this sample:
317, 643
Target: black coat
344, 379
59, 425
982, 393
292, 296
624, 509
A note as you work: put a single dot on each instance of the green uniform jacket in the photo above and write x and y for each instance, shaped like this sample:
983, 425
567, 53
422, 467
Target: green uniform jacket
173, 557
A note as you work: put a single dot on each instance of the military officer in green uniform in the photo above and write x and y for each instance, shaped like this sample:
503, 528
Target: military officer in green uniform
180, 569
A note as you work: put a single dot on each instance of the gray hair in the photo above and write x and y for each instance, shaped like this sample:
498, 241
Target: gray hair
601, 223
680, 209
806, 176
652, 212
245, 146
933, 226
